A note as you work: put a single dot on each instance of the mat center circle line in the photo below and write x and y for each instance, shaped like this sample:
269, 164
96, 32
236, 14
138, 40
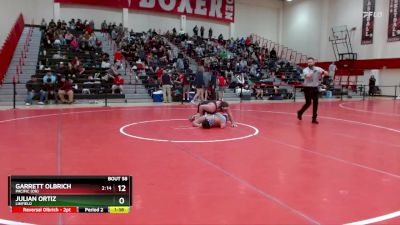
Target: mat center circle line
122, 131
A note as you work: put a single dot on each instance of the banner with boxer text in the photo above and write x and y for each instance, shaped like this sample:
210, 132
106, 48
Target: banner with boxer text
222, 10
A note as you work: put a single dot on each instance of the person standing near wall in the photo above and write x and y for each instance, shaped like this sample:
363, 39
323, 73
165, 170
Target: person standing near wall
312, 79
185, 80
196, 30
199, 83
210, 33
371, 84
202, 32
221, 83
207, 79
332, 70
166, 86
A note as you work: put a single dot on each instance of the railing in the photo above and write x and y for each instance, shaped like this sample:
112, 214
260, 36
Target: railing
282, 51
9, 46
22, 55
292, 93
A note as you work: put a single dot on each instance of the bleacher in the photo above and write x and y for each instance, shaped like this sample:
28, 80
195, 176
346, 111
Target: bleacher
146, 72
88, 85
217, 51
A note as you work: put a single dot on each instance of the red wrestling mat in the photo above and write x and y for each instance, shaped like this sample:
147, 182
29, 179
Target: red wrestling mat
272, 169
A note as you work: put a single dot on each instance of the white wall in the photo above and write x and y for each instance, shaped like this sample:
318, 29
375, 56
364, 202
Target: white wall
389, 77
302, 26
9, 16
259, 19
33, 9
340, 14
143, 21
97, 14
256, 16
307, 26
217, 27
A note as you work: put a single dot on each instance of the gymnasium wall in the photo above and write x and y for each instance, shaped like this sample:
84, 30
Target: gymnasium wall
256, 16
97, 14
302, 26
307, 25
143, 21
218, 27
32, 9
262, 19
389, 78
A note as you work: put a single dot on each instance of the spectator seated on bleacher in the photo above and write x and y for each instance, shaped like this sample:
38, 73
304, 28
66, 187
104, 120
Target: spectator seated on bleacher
84, 40
92, 42
140, 65
118, 84
258, 87
89, 28
151, 84
57, 55
49, 75
105, 64
159, 72
49, 89
179, 62
81, 72
110, 74
35, 89
76, 62
117, 56
65, 89
57, 42
74, 44
61, 70
98, 43
47, 42
68, 37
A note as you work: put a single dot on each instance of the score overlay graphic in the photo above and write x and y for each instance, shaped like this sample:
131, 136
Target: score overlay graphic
70, 194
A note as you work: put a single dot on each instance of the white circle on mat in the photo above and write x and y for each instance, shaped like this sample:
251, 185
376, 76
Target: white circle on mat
122, 130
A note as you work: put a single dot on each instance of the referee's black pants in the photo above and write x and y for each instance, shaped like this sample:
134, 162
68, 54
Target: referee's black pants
311, 94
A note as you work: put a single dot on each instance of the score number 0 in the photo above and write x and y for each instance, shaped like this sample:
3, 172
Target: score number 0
121, 188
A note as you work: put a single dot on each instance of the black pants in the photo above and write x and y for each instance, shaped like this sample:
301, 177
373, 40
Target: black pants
311, 94
371, 90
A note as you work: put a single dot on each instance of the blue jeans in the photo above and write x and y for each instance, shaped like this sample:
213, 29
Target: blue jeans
32, 94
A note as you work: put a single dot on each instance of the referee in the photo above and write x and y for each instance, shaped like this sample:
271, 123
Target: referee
312, 79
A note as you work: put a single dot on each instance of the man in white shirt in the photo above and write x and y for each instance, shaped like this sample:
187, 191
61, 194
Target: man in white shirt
312, 79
